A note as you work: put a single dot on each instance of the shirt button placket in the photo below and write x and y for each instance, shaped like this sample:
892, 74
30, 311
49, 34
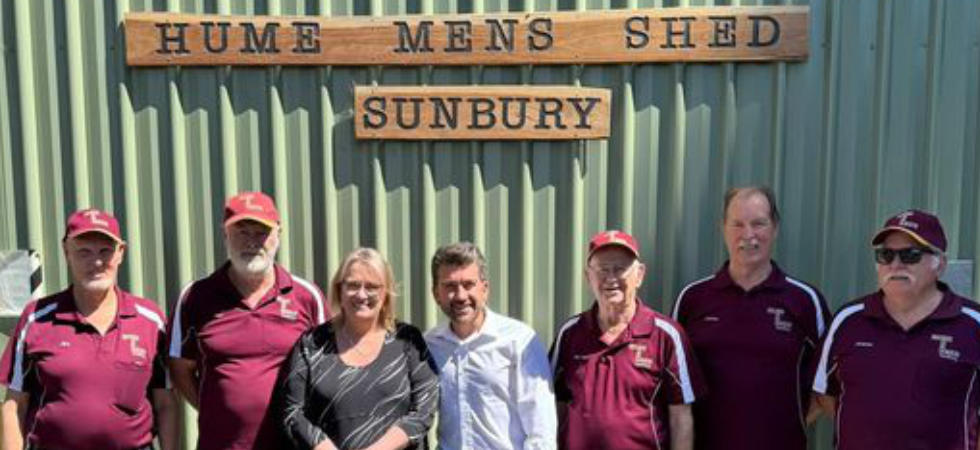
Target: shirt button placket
464, 406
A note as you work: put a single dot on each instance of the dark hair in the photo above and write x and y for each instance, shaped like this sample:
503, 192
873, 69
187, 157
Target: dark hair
749, 190
460, 254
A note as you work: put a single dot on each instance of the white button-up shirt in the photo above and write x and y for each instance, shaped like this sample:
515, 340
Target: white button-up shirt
495, 387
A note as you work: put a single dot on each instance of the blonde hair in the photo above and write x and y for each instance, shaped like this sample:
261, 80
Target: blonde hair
371, 258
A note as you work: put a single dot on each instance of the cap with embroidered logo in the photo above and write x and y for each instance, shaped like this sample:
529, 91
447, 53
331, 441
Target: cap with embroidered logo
921, 226
93, 221
251, 206
613, 237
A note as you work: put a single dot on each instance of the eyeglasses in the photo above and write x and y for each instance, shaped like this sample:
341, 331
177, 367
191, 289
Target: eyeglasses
908, 255
611, 270
353, 287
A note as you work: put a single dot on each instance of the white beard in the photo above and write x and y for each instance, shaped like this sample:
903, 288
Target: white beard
255, 265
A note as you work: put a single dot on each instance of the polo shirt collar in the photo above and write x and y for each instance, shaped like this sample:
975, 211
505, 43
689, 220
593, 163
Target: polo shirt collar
282, 285
641, 325
949, 307
723, 279
67, 310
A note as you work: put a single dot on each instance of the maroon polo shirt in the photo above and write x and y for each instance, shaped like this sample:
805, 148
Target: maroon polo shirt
618, 394
755, 348
87, 391
239, 351
898, 389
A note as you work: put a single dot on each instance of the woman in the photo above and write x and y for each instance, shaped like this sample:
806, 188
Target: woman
361, 380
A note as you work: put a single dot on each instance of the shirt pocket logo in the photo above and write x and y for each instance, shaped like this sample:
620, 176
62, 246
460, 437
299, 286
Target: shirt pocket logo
777, 319
134, 346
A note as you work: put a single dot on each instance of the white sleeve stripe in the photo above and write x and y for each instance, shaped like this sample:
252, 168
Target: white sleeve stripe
17, 380
152, 316
815, 299
681, 356
677, 303
820, 380
320, 315
557, 349
176, 333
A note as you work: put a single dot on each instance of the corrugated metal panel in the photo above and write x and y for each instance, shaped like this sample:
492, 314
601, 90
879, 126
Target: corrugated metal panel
883, 116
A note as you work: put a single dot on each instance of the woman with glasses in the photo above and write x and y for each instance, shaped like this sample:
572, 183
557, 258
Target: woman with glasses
361, 380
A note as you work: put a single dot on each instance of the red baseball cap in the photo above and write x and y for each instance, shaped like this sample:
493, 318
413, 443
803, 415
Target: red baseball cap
921, 226
92, 221
252, 206
613, 237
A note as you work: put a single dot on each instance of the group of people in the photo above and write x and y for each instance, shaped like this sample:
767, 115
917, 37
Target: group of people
749, 357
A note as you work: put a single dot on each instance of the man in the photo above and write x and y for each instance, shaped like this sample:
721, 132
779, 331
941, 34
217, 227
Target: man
84, 367
625, 376
899, 367
754, 330
494, 376
231, 332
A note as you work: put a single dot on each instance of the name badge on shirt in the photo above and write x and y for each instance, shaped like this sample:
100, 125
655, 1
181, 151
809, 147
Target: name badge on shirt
284, 311
638, 359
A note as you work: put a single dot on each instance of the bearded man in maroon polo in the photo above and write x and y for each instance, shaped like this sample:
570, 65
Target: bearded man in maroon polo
899, 367
624, 374
231, 331
755, 331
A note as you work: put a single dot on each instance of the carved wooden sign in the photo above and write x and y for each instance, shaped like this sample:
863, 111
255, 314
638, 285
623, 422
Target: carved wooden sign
480, 112
759, 33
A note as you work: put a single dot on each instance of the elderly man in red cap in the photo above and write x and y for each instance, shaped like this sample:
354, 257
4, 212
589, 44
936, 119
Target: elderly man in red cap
231, 331
899, 367
84, 368
625, 376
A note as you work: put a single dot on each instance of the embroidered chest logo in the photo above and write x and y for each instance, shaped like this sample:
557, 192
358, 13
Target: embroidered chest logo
903, 220
638, 359
284, 311
944, 351
134, 345
777, 319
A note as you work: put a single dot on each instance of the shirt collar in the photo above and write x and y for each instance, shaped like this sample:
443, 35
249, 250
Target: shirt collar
492, 328
67, 310
949, 307
641, 325
282, 285
723, 278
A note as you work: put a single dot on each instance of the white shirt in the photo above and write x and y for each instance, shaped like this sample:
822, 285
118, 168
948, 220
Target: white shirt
495, 387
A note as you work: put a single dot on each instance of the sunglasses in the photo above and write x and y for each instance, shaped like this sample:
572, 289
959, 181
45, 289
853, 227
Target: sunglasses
908, 255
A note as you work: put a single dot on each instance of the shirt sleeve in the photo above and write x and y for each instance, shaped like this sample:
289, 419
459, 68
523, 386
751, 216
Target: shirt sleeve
160, 379
293, 395
315, 303
425, 386
182, 336
684, 380
535, 400
15, 365
823, 369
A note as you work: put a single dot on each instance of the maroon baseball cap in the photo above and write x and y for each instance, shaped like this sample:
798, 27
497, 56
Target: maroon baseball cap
613, 237
921, 226
252, 206
93, 221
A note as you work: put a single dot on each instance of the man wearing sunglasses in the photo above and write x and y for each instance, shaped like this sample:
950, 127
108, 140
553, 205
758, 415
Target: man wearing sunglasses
899, 367
625, 377
755, 330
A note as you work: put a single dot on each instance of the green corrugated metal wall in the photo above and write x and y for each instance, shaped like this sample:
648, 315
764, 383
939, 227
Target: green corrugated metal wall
883, 116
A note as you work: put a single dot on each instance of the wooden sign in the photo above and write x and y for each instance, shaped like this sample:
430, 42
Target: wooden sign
761, 33
480, 112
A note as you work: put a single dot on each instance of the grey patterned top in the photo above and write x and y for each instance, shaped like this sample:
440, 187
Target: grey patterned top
354, 406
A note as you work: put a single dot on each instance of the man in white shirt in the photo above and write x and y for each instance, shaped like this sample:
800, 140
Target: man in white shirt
495, 379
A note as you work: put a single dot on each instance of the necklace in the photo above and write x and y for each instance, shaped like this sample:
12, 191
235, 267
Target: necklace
349, 342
